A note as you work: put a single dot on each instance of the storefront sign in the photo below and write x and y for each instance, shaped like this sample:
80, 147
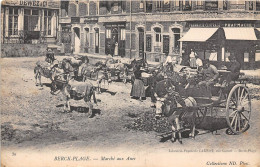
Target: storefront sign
238, 25
204, 24
75, 20
33, 3
91, 20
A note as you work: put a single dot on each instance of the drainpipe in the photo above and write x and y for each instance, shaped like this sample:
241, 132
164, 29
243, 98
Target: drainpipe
130, 29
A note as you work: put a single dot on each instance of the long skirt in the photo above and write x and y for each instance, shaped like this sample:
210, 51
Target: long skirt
193, 62
138, 89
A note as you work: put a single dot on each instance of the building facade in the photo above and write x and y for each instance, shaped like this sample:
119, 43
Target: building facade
139, 28
156, 28
29, 21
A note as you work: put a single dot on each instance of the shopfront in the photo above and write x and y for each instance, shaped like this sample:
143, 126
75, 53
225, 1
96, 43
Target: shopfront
217, 41
27, 21
115, 39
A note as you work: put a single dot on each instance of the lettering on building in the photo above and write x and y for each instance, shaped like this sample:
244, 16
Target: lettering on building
33, 3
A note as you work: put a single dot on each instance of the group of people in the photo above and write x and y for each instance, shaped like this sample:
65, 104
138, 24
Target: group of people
208, 73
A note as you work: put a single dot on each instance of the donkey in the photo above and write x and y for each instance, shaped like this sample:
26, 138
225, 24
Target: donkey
75, 90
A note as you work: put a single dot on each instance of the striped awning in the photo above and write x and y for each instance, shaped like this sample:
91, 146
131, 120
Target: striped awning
240, 33
198, 34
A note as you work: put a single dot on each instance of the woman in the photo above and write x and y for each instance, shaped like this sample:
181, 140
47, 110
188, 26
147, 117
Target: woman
193, 59
138, 90
116, 49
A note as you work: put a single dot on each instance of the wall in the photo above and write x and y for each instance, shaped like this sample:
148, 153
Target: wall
23, 50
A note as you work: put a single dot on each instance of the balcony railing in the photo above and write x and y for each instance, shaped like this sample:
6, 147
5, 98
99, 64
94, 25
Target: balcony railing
237, 6
157, 48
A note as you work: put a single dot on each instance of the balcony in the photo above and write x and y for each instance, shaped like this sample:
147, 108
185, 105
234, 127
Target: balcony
237, 6
157, 49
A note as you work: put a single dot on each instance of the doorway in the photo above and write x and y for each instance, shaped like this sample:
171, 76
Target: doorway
76, 40
86, 47
141, 42
96, 40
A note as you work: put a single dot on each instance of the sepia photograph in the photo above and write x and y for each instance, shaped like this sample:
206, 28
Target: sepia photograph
122, 83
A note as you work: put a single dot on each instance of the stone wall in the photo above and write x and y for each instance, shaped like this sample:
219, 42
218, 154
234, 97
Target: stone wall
23, 50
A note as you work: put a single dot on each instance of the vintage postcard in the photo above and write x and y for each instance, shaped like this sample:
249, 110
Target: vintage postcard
130, 83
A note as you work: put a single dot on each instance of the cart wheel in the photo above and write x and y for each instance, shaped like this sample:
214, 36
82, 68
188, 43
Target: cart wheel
200, 115
238, 109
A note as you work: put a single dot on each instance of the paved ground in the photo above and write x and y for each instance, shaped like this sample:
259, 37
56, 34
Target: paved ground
34, 129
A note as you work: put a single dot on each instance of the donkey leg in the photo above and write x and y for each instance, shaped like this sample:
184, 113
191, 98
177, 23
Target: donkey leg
192, 130
68, 103
90, 105
178, 126
98, 87
173, 139
180, 137
40, 79
36, 76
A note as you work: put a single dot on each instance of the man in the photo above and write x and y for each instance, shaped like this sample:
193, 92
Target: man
49, 56
209, 74
199, 63
166, 94
168, 60
169, 63
234, 69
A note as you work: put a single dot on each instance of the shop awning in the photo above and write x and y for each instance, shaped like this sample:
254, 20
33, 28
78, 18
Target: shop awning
198, 34
239, 33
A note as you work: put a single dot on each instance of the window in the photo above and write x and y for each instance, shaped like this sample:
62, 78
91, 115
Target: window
186, 4
258, 5
213, 56
159, 4
47, 22
13, 21
158, 36
176, 35
246, 57
64, 8
108, 33
199, 5
211, 5
250, 5
123, 5
122, 34
31, 20
96, 37
225, 4
115, 7
141, 4
97, 8
166, 5
149, 6
176, 5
